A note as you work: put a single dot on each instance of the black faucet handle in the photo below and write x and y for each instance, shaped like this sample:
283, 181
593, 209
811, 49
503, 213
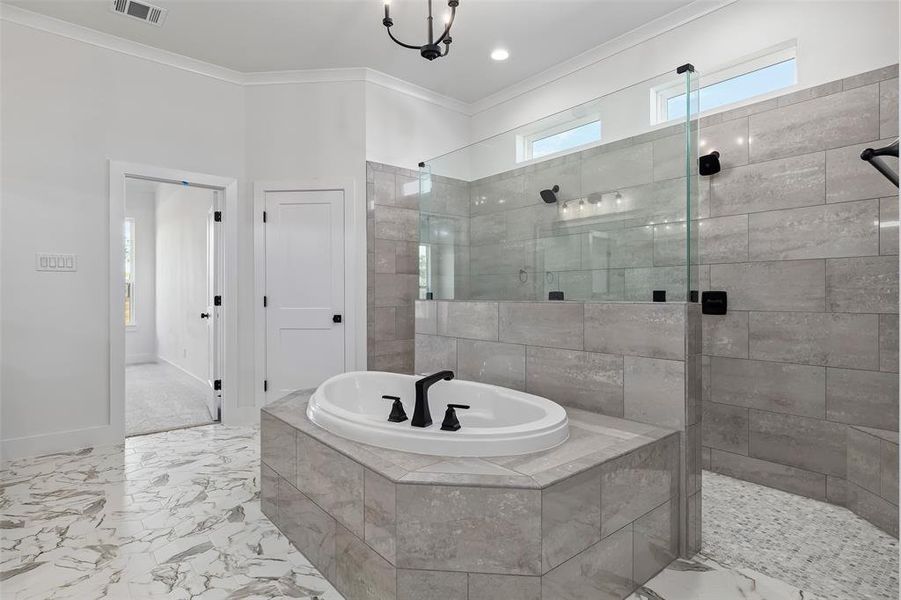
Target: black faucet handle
398, 415
451, 423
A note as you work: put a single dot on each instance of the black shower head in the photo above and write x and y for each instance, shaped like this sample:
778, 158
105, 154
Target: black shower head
550, 196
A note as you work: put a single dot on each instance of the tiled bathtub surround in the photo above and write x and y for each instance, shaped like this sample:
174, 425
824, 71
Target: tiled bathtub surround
803, 235
398, 220
594, 517
639, 361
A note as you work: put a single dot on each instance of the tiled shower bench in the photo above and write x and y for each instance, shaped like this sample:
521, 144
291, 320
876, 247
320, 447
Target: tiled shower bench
592, 518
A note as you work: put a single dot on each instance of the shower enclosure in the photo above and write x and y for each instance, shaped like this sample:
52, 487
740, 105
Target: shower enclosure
561, 258
594, 203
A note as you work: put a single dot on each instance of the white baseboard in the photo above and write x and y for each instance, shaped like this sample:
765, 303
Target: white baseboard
61, 441
183, 370
137, 359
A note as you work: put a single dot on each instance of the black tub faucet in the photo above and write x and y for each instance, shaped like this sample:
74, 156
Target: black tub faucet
422, 417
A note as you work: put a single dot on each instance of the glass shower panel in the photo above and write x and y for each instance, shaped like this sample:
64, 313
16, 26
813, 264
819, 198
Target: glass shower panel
603, 218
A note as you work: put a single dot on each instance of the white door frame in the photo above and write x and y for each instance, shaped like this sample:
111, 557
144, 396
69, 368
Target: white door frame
118, 172
354, 272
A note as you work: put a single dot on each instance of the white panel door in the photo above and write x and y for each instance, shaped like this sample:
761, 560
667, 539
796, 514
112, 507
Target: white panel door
304, 289
211, 314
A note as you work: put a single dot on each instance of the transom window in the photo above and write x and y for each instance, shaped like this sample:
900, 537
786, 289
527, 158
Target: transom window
752, 78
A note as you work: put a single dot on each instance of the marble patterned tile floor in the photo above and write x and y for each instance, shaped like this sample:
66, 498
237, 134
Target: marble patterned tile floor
172, 515
176, 515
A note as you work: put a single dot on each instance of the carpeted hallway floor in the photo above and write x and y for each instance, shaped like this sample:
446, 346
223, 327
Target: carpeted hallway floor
159, 397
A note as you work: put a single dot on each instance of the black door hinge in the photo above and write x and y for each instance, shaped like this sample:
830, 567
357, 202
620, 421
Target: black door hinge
217, 216
265, 385
264, 216
265, 301
217, 385
217, 300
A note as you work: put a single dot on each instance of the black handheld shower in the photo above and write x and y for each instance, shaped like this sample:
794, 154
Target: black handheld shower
550, 196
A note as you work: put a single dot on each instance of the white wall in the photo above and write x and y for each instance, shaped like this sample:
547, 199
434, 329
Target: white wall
140, 339
69, 107
835, 39
182, 336
402, 130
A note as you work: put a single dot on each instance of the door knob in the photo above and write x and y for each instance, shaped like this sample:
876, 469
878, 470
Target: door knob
336, 318
204, 315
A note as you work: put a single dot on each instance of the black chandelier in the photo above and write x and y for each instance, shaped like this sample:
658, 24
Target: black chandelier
432, 49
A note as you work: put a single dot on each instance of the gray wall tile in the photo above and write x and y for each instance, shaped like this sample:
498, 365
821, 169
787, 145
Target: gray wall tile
781, 285
492, 362
729, 138
849, 178
565, 172
615, 248
422, 585
654, 391
862, 398
396, 290
772, 386
332, 481
670, 245
360, 573
864, 460
474, 320
616, 169
586, 380
834, 230
269, 492
435, 353
651, 330
426, 317
570, 517
725, 427
888, 343
827, 339
655, 541
602, 571
634, 484
862, 285
889, 474
868, 77
640, 283
504, 587
810, 444
486, 530
725, 335
384, 323
310, 529
829, 122
396, 224
277, 446
558, 325
379, 516
785, 183
723, 239
888, 108
888, 225
876, 510
779, 476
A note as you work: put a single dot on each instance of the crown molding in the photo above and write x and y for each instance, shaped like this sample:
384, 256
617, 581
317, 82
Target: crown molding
668, 22
27, 18
659, 26
33, 20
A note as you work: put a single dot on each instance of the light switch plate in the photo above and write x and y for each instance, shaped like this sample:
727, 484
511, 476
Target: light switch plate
55, 262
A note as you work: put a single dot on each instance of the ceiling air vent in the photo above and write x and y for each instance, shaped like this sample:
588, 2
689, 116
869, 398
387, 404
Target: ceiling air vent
140, 10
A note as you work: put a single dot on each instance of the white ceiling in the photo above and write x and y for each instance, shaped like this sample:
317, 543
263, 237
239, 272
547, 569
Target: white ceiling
279, 35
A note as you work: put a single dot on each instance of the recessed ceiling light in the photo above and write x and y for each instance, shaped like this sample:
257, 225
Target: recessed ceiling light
499, 54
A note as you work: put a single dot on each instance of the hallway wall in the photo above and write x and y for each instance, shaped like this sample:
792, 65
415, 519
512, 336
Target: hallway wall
181, 278
140, 339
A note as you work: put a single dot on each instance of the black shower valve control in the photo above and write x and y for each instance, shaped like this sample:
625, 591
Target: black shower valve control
714, 303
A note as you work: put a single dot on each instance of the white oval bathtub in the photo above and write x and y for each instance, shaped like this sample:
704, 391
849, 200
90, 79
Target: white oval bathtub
500, 422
